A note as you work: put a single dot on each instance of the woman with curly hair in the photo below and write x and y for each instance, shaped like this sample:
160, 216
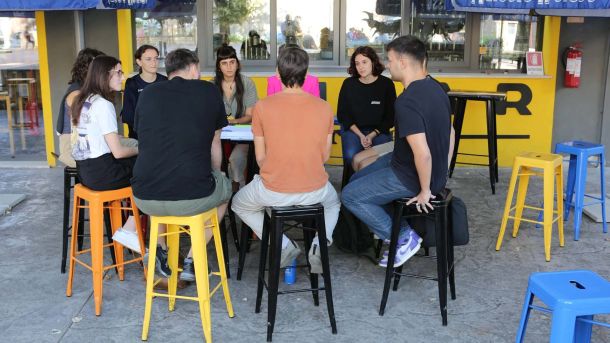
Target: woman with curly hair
366, 104
63, 128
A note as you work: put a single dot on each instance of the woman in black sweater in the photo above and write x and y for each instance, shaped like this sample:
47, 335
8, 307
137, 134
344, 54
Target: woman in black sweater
366, 104
147, 58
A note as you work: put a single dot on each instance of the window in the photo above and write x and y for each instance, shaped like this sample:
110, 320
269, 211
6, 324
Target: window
371, 22
505, 39
444, 32
243, 24
168, 26
330, 30
307, 24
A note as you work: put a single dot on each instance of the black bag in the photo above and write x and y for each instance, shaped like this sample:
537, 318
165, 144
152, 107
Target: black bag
458, 218
351, 235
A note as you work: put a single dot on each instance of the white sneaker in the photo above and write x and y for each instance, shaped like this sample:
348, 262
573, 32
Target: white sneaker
128, 239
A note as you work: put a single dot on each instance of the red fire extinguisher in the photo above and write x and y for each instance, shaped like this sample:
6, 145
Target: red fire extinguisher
572, 58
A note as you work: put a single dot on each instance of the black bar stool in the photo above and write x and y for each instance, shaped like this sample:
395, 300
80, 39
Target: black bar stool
275, 217
443, 242
71, 179
459, 98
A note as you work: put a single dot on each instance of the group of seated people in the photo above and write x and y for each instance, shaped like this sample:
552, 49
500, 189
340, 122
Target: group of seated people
174, 167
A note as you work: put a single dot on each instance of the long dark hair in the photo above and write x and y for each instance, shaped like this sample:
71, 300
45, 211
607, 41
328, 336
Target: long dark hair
223, 53
365, 51
81, 65
141, 50
97, 82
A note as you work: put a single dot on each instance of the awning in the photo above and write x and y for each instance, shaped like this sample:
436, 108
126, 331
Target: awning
576, 8
45, 5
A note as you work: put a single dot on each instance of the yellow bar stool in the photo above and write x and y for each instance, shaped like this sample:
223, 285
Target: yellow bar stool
195, 227
529, 164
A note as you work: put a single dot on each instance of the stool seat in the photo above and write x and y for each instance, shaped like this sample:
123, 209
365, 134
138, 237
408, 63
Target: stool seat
582, 290
576, 147
296, 210
573, 297
539, 159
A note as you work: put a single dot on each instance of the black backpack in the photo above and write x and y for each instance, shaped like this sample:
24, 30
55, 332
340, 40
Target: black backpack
458, 217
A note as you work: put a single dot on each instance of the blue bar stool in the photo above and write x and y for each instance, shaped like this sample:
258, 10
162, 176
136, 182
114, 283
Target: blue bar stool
579, 152
573, 298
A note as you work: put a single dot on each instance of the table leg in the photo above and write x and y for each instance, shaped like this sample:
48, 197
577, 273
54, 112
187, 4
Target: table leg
490, 146
458, 121
9, 117
22, 122
495, 124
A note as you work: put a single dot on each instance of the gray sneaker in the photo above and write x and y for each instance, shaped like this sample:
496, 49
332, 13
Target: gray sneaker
315, 259
188, 270
289, 253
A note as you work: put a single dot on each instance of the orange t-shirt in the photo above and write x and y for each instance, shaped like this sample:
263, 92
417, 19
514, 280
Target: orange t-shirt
295, 128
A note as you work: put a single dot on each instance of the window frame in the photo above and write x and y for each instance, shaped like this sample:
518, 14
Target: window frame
470, 63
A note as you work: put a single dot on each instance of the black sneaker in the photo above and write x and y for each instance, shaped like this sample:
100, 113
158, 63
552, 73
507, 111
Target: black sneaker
188, 270
161, 262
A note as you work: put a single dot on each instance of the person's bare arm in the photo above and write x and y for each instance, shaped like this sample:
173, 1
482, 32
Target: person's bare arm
216, 151
260, 150
423, 164
329, 144
116, 148
451, 145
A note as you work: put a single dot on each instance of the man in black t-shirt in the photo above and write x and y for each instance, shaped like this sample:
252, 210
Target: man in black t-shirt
177, 172
422, 148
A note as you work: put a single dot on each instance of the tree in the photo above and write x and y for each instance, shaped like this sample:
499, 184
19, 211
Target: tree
229, 12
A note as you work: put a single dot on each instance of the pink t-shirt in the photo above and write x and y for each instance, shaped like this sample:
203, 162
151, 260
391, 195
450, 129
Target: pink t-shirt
311, 85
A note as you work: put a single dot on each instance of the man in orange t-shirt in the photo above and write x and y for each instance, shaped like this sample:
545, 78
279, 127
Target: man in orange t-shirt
292, 139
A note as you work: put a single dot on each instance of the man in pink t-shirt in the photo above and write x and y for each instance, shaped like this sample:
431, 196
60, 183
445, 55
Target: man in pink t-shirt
291, 146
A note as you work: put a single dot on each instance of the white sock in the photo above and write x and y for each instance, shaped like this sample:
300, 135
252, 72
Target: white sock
315, 241
285, 241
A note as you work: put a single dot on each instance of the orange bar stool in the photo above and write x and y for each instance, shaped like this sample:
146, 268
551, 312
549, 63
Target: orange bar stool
529, 164
96, 201
195, 227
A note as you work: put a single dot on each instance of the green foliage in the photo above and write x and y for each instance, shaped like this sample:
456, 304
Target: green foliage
227, 12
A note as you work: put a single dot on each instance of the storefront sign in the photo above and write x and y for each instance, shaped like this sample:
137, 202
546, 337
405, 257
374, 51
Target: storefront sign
534, 63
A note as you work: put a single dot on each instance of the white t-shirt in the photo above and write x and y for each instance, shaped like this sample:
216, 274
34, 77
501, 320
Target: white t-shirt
97, 118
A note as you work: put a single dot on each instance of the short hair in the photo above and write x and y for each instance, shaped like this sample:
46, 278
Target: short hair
292, 64
368, 52
411, 46
179, 59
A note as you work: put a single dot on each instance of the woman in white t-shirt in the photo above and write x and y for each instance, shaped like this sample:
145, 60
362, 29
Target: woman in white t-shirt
102, 162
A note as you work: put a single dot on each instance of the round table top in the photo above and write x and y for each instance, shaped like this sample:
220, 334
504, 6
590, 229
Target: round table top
22, 79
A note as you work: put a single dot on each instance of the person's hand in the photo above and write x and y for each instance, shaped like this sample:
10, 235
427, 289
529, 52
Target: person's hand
365, 141
371, 136
422, 201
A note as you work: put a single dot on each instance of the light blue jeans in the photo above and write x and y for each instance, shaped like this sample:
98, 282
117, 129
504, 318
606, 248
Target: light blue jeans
370, 193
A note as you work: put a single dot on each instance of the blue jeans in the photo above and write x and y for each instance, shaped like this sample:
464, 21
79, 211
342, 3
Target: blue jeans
369, 196
350, 143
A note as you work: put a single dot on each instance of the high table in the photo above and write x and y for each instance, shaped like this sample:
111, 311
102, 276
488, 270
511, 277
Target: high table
459, 98
9, 113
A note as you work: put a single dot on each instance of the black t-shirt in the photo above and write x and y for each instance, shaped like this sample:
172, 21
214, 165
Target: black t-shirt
133, 87
369, 106
176, 121
423, 107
